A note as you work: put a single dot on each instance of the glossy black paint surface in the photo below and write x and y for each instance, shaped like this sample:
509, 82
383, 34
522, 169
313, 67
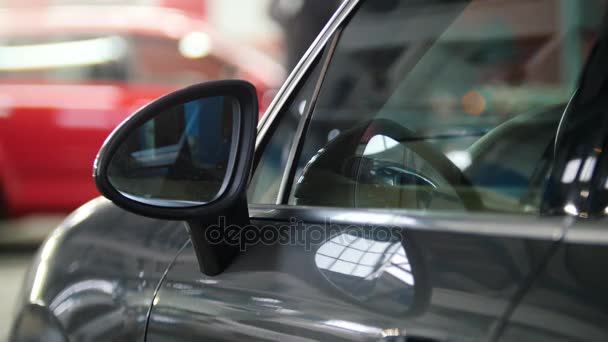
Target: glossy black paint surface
568, 299
465, 281
98, 271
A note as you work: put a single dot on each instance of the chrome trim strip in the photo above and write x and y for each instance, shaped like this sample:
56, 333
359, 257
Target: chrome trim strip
300, 70
589, 233
561, 121
515, 226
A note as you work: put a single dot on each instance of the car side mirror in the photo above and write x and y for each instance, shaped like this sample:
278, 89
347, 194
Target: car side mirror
186, 156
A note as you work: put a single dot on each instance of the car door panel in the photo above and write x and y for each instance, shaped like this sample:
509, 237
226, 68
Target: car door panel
568, 299
464, 274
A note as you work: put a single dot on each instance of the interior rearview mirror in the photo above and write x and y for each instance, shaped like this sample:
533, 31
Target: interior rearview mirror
186, 156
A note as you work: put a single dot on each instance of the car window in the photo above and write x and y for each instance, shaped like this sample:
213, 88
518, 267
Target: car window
274, 154
64, 58
135, 58
444, 105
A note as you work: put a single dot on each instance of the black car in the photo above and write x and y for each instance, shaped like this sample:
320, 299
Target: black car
431, 171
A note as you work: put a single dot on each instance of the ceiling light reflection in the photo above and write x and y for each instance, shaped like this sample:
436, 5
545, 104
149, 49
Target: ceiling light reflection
570, 171
571, 209
364, 258
379, 143
587, 170
462, 159
195, 45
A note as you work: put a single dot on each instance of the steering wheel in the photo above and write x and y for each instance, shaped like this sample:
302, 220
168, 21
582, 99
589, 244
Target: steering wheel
340, 157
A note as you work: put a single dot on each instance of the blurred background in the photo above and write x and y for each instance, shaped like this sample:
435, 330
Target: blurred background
71, 70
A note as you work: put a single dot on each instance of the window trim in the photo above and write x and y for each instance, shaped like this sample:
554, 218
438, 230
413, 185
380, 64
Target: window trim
299, 75
345, 11
298, 139
485, 224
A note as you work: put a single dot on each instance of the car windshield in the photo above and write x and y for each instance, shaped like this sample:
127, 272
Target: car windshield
461, 97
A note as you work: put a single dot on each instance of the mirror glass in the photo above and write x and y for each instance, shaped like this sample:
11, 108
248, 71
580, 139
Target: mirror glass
179, 157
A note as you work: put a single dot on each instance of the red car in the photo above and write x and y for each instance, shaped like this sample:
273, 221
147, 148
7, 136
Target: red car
69, 75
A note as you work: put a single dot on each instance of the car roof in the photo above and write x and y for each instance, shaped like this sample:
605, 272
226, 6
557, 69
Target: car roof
136, 20
149, 20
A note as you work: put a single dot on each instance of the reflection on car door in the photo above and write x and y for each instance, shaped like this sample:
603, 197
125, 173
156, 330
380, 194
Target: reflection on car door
374, 274
567, 300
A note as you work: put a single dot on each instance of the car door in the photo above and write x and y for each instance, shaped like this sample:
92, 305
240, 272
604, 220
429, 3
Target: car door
397, 192
567, 300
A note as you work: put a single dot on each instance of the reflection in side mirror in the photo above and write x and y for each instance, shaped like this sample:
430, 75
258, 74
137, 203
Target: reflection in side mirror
179, 157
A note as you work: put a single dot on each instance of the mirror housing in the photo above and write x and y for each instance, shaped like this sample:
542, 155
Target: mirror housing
118, 157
